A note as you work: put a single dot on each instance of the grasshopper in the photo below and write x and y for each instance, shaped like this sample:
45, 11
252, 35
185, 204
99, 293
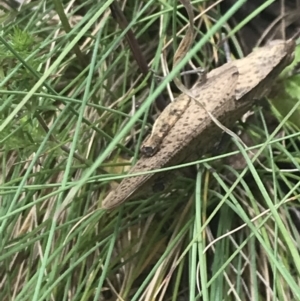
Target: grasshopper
227, 93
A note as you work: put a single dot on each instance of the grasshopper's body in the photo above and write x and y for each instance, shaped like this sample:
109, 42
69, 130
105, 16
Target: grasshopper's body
228, 93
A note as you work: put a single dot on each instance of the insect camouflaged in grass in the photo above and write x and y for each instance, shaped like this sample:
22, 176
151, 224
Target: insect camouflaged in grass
228, 93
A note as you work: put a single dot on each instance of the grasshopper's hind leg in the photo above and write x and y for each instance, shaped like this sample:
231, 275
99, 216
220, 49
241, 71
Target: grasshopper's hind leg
163, 124
168, 118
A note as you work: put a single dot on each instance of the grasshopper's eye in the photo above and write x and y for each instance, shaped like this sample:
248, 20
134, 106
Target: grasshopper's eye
148, 151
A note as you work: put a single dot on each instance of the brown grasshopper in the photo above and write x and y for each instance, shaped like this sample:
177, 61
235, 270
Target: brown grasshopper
227, 93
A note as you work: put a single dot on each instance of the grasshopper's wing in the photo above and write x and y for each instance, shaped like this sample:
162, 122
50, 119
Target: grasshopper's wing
164, 123
216, 94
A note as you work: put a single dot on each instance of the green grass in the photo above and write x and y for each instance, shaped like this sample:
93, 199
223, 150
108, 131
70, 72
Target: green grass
74, 111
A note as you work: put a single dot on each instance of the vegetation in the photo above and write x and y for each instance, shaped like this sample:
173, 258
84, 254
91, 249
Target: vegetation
75, 107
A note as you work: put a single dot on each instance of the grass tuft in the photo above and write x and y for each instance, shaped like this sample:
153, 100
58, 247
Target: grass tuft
75, 108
